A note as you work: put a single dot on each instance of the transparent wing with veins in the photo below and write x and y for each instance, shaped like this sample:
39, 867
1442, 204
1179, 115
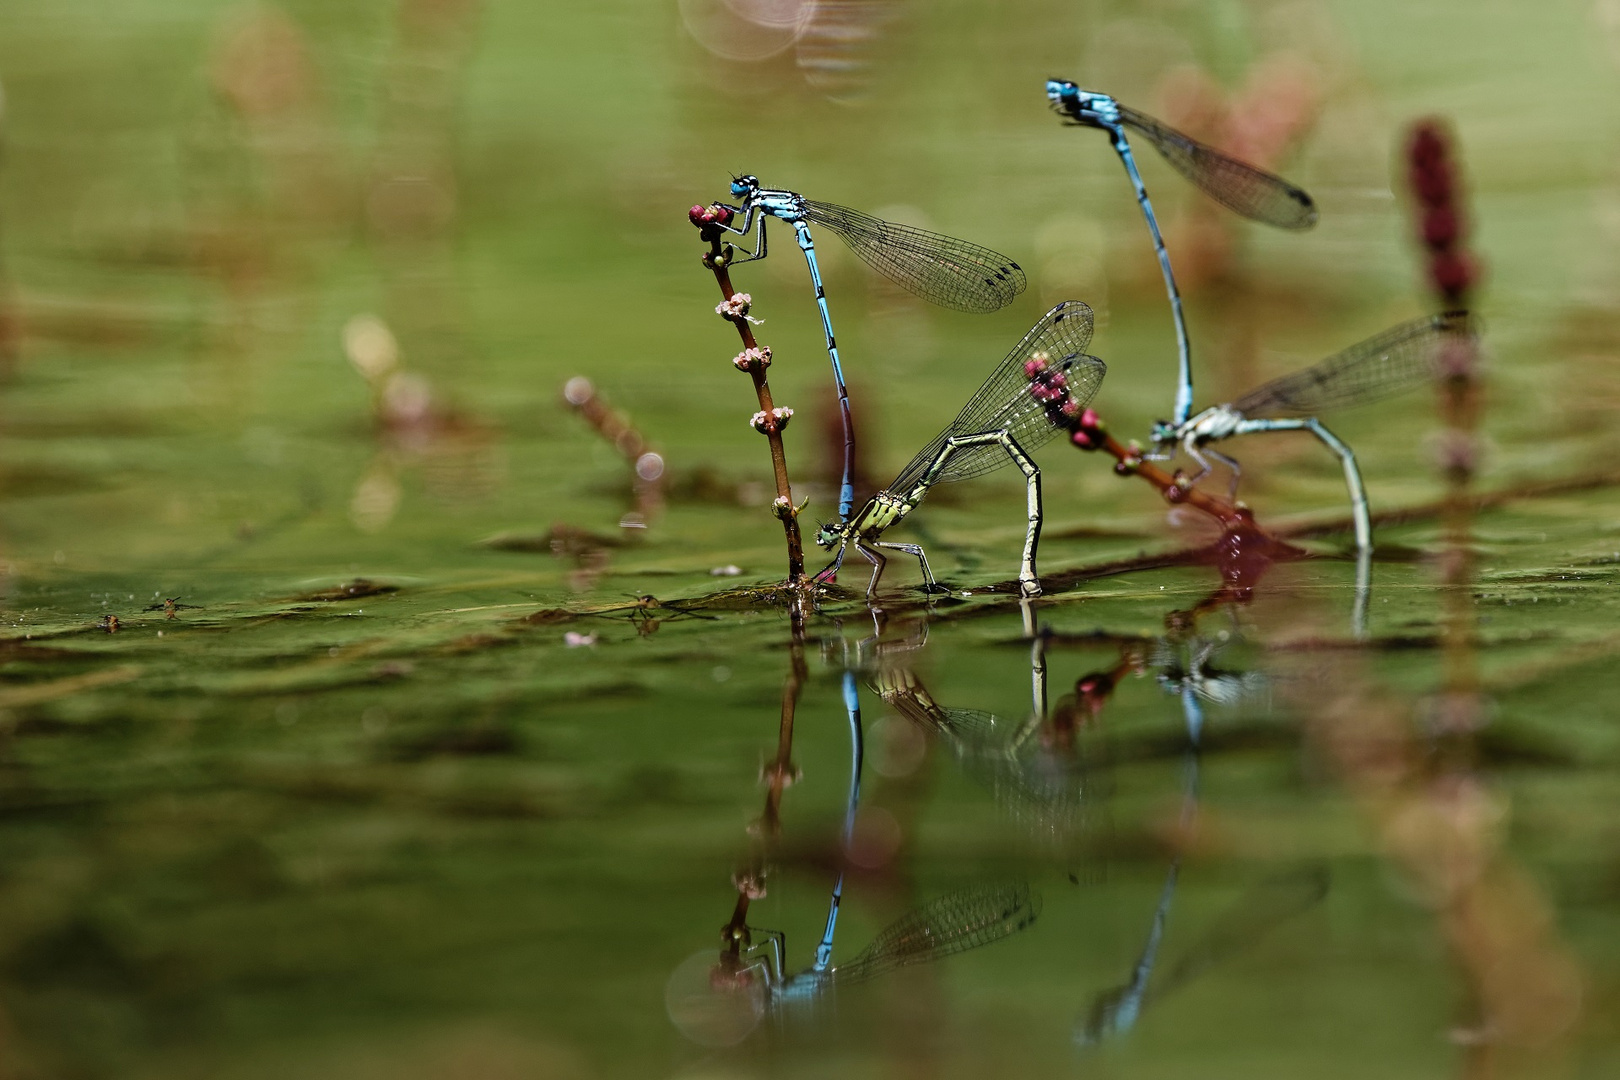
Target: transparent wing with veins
941, 269
953, 923
1397, 359
1005, 402
1249, 191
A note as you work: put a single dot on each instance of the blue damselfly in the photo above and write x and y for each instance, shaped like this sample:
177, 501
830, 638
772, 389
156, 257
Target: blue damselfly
1034, 394
948, 924
941, 269
1243, 188
857, 755
1256, 914
1397, 359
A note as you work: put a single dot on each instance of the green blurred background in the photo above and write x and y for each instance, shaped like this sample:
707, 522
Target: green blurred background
407, 828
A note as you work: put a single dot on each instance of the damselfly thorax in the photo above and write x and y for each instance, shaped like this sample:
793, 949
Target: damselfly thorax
1214, 423
884, 510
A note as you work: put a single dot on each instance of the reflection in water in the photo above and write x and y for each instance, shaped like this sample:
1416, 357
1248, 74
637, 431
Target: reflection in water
951, 923
718, 999
1187, 672
1242, 926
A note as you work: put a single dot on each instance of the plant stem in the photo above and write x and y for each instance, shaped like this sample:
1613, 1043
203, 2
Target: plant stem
1129, 462
785, 507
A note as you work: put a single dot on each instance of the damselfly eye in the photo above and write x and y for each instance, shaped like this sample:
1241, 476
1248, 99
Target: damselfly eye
739, 188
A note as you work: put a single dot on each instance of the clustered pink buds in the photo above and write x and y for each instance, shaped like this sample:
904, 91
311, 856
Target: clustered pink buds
1050, 386
735, 309
709, 215
753, 359
1441, 225
767, 423
1088, 432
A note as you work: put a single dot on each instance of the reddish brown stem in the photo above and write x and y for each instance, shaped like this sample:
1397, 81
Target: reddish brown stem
1092, 434
777, 774
785, 507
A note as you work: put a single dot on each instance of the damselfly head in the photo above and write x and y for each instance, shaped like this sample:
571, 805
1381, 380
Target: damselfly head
828, 533
742, 186
1080, 106
1164, 431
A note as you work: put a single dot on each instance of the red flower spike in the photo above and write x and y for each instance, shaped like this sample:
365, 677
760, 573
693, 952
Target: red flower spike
1083, 439
695, 216
1090, 419
1440, 227
1433, 186
1452, 272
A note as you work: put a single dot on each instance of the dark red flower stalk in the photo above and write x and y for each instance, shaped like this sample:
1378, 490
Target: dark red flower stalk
1441, 226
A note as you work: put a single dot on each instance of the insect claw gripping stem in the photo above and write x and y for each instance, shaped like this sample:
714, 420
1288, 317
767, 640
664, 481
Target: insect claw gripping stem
734, 306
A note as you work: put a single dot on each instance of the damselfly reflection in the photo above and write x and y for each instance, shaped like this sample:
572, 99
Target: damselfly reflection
1243, 926
951, 923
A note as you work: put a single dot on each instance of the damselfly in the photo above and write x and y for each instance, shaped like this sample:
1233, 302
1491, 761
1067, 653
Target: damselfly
1035, 393
857, 744
1395, 360
941, 269
948, 924
1247, 190
1264, 908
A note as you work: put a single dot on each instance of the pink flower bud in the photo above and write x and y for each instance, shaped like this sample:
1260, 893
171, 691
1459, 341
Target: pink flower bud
1045, 392
753, 359
1452, 272
767, 423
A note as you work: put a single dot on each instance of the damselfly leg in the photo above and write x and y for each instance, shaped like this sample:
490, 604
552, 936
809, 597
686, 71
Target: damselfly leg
1037, 391
1352, 474
752, 220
